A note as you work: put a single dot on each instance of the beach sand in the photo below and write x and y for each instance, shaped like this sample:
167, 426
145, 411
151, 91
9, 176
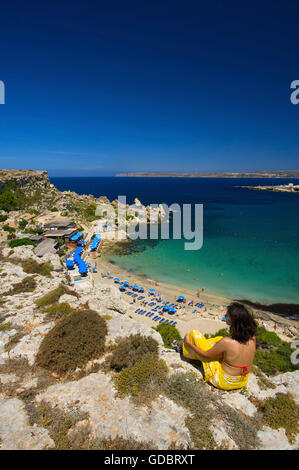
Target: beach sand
207, 319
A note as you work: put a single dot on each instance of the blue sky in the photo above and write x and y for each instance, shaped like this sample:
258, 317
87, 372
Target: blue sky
94, 88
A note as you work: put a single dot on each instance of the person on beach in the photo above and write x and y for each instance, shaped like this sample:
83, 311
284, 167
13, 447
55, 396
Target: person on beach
226, 360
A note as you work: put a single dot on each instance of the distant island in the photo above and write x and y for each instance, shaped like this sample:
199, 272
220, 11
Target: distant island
256, 174
283, 188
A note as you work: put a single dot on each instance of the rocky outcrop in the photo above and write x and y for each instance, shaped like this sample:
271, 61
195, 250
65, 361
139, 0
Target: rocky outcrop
25, 178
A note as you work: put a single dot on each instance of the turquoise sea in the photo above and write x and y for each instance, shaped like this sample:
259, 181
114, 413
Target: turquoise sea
250, 239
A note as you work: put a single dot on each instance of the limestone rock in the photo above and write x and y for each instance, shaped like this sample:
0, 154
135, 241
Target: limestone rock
162, 423
15, 431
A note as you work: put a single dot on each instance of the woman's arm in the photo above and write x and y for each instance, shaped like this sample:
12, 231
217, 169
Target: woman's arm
210, 354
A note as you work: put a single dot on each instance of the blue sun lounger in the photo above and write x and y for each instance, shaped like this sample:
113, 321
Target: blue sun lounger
162, 320
166, 321
136, 311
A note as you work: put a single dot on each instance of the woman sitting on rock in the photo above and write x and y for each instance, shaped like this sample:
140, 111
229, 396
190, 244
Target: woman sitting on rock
226, 360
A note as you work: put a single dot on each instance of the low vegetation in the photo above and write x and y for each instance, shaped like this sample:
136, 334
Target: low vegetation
131, 349
280, 411
22, 224
8, 228
75, 339
188, 392
30, 266
57, 311
143, 381
61, 425
50, 298
14, 340
21, 242
28, 284
5, 326
168, 333
119, 443
273, 355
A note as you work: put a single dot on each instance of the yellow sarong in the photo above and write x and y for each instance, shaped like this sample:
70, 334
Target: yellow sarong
213, 369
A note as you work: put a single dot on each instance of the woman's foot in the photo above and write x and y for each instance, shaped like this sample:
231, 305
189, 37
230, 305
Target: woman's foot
177, 345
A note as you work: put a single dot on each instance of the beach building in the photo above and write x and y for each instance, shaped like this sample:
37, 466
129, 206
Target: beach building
45, 247
61, 224
63, 233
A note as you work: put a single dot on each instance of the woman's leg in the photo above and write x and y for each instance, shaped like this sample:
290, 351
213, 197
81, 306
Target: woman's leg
199, 340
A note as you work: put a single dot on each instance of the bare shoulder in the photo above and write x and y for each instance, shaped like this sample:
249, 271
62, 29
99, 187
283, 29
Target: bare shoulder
227, 341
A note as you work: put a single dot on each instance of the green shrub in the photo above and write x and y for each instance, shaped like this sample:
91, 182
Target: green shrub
273, 355
11, 236
75, 339
21, 242
281, 411
7, 228
222, 332
51, 297
143, 380
56, 311
169, 333
31, 266
34, 231
22, 224
131, 349
10, 198
275, 360
3, 218
265, 337
54, 209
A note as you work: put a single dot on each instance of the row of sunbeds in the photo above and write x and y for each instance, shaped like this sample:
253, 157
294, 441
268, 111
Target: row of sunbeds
155, 317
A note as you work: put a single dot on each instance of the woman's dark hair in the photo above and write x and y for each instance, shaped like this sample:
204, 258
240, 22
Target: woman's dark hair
243, 326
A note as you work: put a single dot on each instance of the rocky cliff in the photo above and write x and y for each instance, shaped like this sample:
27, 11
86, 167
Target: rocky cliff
25, 178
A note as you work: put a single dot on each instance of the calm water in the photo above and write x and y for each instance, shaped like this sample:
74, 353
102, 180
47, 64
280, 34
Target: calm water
250, 247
